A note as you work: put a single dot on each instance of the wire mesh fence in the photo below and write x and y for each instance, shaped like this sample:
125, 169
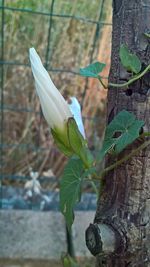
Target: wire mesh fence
67, 35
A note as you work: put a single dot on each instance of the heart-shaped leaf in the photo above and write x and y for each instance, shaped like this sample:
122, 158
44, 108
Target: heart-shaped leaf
70, 188
130, 61
121, 132
92, 70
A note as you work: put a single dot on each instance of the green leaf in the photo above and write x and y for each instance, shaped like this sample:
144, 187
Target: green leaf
130, 61
126, 128
92, 70
70, 188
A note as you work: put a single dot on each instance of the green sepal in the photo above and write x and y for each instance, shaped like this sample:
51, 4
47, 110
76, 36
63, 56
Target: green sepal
61, 142
71, 142
78, 143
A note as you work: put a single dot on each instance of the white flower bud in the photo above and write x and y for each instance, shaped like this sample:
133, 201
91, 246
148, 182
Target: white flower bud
68, 132
55, 109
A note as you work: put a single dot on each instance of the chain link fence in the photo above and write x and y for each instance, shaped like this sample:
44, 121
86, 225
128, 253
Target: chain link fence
67, 35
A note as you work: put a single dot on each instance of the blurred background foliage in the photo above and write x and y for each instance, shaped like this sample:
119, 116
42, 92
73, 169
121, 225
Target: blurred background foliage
67, 35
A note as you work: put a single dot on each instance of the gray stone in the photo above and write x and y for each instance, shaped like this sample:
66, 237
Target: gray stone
40, 235
32, 235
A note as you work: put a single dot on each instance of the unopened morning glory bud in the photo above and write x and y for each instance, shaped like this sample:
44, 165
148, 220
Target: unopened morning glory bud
57, 113
55, 109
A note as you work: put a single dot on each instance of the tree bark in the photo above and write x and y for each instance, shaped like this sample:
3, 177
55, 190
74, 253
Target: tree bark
124, 204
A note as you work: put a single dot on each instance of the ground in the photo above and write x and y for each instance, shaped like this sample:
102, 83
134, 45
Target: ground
39, 263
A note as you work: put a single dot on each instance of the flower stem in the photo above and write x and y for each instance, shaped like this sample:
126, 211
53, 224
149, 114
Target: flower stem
95, 188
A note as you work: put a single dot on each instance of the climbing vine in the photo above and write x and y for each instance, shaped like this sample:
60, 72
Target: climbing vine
122, 131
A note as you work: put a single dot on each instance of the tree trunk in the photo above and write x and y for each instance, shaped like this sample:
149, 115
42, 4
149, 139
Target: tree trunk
124, 204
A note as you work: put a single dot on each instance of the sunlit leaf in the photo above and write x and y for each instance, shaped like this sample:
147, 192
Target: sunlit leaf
92, 70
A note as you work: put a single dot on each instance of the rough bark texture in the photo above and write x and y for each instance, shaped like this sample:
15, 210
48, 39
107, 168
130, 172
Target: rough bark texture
125, 201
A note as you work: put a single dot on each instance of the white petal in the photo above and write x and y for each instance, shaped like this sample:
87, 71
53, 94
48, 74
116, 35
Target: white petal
50, 111
76, 111
42, 76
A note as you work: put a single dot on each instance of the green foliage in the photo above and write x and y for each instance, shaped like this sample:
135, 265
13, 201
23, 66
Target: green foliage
92, 70
130, 61
70, 188
122, 131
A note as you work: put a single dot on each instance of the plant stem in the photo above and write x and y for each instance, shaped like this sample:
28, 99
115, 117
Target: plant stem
133, 79
119, 162
99, 78
95, 188
145, 134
